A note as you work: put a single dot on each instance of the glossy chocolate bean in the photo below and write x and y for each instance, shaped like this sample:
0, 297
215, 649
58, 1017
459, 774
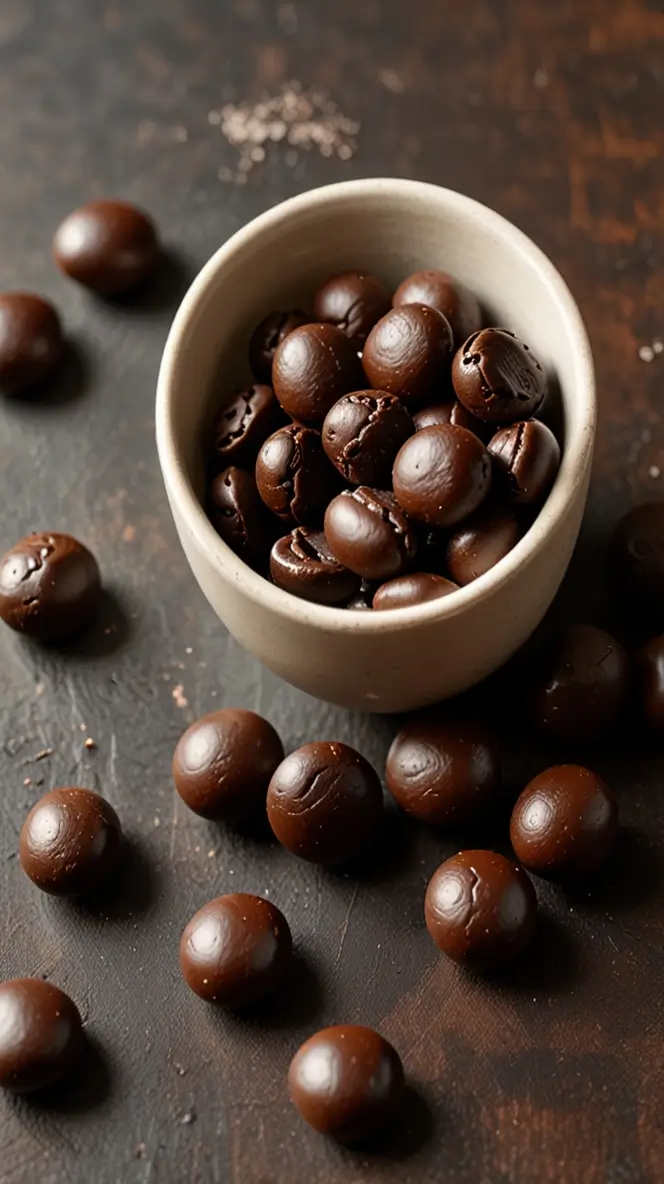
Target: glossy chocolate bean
565, 823
580, 686
41, 1035
236, 950
526, 458
638, 559
302, 563
441, 475
347, 1082
447, 773
480, 909
223, 763
70, 842
353, 301
368, 533
409, 352
243, 424
450, 412
650, 682
31, 341
267, 336
50, 586
498, 378
313, 367
325, 803
480, 543
239, 515
362, 434
294, 477
414, 588
109, 246
439, 290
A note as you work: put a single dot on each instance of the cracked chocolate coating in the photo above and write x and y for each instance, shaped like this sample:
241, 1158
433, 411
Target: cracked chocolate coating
580, 685
353, 301
239, 516
480, 909
362, 434
526, 458
50, 586
294, 477
444, 773
497, 377
243, 424
267, 336
301, 563
324, 802
368, 533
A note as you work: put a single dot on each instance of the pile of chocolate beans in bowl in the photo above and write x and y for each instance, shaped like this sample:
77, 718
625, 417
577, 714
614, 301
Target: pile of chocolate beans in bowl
388, 452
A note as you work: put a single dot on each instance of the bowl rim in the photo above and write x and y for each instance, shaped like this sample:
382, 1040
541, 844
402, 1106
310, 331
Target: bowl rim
577, 453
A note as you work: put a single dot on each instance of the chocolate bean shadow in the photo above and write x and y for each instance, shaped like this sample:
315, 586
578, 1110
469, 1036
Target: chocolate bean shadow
72, 378
88, 1088
296, 1005
129, 893
632, 877
414, 1125
392, 851
550, 965
109, 631
163, 290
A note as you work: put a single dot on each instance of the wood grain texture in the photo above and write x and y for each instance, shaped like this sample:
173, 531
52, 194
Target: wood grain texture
551, 113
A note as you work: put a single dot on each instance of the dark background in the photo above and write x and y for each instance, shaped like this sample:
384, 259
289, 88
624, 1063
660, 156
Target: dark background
551, 113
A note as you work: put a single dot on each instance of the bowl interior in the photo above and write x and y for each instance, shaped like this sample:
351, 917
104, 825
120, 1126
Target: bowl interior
390, 228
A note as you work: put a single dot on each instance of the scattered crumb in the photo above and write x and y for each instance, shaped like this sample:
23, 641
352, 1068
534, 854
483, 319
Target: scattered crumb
27, 780
392, 81
180, 134
179, 696
654, 471
39, 689
658, 346
179, 1069
303, 120
157, 821
89, 742
139, 1153
43, 754
197, 849
648, 353
82, 727
188, 1118
189, 650
39, 780
129, 533
541, 78
211, 853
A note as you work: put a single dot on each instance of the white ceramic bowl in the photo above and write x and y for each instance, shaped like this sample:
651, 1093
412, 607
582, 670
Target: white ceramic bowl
402, 658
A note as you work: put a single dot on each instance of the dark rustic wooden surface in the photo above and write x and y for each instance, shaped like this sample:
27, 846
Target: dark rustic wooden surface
552, 113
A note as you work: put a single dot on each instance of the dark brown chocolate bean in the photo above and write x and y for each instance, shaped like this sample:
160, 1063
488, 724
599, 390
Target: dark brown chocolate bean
41, 1035
565, 823
353, 301
70, 842
438, 290
480, 909
223, 763
638, 559
313, 367
267, 336
243, 424
526, 459
369, 533
444, 773
109, 246
239, 516
444, 413
236, 950
347, 1082
414, 588
49, 586
441, 475
363, 599
362, 434
480, 543
580, 685
497, 377
325, 803
31, 341
302, 563
294, 477
408, 353
650, 676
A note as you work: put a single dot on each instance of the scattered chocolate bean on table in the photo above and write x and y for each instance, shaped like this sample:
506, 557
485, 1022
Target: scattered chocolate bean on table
109, 246
71, 842
236, 950
223, 763
50, 586
41, 1035
31, 341
565, 823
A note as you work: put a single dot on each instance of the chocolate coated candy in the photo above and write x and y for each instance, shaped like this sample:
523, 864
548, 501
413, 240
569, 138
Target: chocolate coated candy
313, 367
239, 516
445, 773
497, 377
526, 458
236, 950
580, 687
109, 246
267, 336
362, 434
302, 563
414, 588
565, 822
31, 341
243, 424
49, 586
480, 543
353, 301
294, 477
638, 558
441, 475
223, 763
369, 533
71, 842
439, 290
408, 353
41, 1035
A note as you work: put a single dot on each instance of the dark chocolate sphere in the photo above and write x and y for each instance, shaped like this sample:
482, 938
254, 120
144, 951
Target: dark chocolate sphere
497, 377
236, 950
580, 686
353, 301
301, 563
347, 1082
415, 588
480, 543
480, 909
368, 532
223, 763
409, 352
243, 424
650, 682
444, 773
70, 842
526, 458
638, 559
49, 586
565, 823
31, 341
439, 290
109, 246
239, 515
267, 336
294, 477
441, 475
313, 367
41, 1035
362, 434
324, 802
451, 412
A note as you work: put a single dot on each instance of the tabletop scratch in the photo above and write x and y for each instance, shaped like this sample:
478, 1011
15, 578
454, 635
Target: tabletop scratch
344, 927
